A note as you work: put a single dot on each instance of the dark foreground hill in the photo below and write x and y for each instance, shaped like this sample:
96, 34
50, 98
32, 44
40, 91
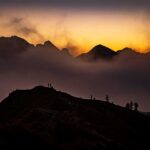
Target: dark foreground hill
48, 119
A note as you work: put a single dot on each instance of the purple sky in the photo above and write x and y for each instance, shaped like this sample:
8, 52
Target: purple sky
81, 4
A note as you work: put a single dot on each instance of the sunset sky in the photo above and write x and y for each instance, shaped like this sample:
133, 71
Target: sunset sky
79, 25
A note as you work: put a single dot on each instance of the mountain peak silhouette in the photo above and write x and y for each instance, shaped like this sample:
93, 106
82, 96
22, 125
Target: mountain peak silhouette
66, 52
11, 46
48, 45
129, 52
97, 53
102, 51
126, 50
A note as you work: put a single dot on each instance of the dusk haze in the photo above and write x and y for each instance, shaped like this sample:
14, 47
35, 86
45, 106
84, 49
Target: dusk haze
75, 74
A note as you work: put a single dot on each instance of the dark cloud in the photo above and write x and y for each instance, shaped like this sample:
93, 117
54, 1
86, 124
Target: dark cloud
61, 31
23, 27
95, 4
124, 79
74, 49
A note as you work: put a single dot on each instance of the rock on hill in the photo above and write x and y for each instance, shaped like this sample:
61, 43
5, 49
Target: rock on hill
48, 119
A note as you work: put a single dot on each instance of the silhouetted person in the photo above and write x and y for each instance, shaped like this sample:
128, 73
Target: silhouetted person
107, 98
128, 106
50, 85
91, 97
136, 105
131, 105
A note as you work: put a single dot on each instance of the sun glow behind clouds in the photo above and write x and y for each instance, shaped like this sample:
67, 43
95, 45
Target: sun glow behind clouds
80, 30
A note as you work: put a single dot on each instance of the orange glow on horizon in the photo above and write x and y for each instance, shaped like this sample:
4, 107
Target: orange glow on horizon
80, 31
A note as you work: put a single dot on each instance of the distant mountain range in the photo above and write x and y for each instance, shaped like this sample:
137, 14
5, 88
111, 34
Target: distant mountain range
49, 119
12, 46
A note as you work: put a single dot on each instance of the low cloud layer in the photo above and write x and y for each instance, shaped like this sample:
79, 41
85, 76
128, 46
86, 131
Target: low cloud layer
124, 79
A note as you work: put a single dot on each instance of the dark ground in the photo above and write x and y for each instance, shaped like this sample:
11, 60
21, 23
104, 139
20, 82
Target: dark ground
48, 119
